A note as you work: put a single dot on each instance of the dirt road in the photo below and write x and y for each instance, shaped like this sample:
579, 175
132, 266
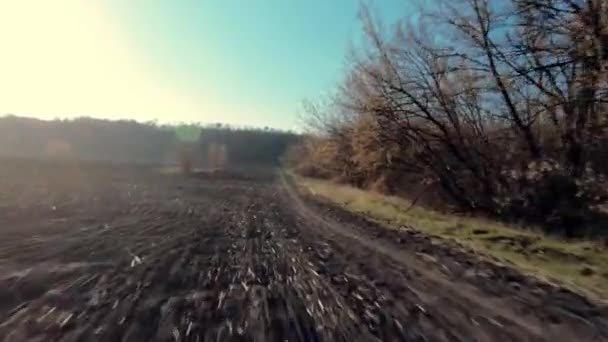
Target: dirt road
121, 253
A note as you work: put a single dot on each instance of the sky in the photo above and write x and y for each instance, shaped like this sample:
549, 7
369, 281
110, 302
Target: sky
241, 62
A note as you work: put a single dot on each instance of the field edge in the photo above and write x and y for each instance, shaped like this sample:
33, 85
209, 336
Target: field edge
581, 266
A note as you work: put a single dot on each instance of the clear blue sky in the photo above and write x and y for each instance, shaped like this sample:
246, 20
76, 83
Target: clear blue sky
237, 61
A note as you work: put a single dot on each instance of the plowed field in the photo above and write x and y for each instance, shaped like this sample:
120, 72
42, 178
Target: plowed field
111, 253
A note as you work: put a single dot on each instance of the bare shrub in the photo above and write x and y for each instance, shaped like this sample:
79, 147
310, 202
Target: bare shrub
504, 114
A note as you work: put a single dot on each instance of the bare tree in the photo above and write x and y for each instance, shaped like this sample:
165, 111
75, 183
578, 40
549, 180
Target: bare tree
500, 103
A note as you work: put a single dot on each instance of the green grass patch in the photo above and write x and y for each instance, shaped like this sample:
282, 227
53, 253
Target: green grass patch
579, 265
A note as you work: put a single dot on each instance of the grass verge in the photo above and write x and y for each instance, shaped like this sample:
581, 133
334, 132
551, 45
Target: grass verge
579, 265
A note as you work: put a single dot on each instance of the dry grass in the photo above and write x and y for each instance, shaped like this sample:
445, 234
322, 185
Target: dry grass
580, 265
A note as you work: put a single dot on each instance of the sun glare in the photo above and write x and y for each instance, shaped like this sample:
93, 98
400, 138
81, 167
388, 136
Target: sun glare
69, 58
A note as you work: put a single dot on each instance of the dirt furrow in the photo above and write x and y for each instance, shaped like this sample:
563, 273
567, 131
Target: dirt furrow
175, 258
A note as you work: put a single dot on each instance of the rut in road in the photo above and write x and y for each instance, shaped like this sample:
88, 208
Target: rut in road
215, 260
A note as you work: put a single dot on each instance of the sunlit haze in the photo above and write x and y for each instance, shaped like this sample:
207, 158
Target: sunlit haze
69, 58
190, 61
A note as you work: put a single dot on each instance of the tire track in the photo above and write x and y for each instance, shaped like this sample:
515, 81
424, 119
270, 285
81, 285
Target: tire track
454, 296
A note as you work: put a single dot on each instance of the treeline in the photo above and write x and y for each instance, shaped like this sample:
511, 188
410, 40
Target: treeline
491, 106
245, 145
86, 139
128, 141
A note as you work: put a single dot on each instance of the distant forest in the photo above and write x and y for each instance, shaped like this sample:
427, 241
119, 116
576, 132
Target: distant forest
125, 141
248, 146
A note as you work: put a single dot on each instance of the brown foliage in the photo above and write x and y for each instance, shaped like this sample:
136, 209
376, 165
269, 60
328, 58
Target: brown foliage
505, 114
